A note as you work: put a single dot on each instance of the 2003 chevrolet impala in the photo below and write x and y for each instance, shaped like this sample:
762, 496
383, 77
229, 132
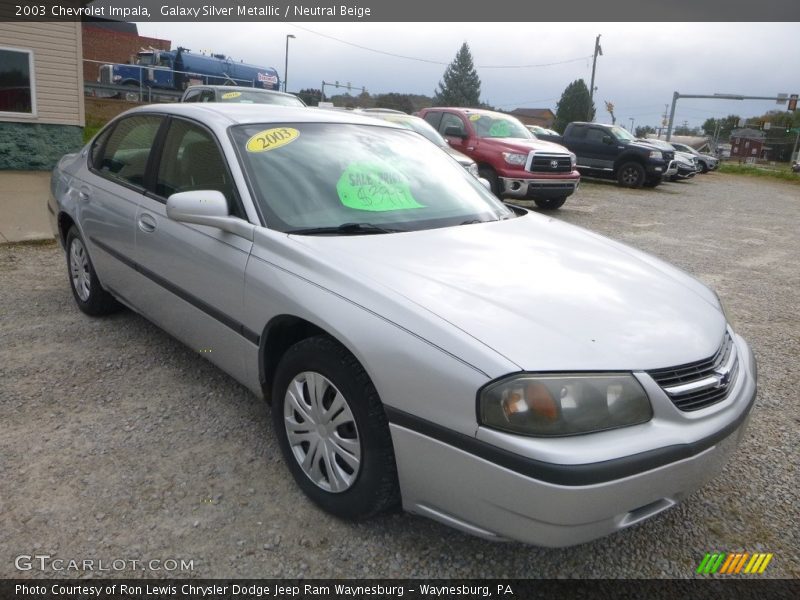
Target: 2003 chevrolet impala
420, 342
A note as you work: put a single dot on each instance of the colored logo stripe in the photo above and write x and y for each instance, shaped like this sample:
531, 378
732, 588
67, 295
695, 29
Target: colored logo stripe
728, 563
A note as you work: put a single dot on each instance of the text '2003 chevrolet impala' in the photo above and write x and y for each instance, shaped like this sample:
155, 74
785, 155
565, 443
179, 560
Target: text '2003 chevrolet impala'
421, 343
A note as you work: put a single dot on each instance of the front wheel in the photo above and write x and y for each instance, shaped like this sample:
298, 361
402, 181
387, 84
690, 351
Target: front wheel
631, 175
333, 431
551, 203
89, 295
489, 174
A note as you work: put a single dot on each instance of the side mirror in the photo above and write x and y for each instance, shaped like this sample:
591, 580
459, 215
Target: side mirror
207, 207
455, 131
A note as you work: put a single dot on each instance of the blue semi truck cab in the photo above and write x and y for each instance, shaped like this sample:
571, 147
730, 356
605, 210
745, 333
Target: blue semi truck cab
178, 69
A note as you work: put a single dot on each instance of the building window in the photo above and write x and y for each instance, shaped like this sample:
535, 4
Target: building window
16, 81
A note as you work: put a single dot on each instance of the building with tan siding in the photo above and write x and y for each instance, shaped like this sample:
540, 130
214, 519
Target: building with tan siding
41, 112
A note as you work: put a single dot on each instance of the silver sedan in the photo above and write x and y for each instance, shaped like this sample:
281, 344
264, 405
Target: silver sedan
421, 343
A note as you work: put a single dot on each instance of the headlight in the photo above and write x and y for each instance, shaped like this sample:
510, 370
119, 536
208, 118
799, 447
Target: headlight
514, 158
117, 77
656, 154
568, 404
573, 160
473, 170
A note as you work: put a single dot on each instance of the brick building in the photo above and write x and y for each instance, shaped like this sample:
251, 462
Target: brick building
113, 42
748, 143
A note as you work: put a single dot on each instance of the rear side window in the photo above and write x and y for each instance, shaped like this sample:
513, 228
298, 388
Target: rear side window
125, 154
433, 118
578, 132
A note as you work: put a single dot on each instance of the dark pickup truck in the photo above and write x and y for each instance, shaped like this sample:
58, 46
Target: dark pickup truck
612, 152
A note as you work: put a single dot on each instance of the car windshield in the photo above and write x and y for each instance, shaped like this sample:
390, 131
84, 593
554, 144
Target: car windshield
421, 126
145, 59
328, 175
498, 126
257, 97
622, 134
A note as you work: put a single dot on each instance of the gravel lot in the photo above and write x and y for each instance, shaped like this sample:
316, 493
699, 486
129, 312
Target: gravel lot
120, 443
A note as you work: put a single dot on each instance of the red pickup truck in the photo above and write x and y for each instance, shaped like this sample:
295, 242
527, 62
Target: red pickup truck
516, 164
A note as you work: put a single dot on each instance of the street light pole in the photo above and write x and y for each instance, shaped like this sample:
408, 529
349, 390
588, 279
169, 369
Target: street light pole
631, 119
597, 50
286, 63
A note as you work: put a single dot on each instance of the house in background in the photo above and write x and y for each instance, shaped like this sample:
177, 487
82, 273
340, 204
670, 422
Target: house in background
113, 42
41, 117
748, 143
543, 117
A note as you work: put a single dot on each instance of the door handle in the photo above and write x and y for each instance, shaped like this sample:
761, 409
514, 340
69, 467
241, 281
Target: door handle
147, 223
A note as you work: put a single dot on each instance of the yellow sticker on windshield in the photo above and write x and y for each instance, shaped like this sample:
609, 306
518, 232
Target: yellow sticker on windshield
230, 95
375, 187
269, 139
474, 117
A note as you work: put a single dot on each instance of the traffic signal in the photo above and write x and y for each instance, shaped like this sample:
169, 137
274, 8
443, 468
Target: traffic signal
792, 102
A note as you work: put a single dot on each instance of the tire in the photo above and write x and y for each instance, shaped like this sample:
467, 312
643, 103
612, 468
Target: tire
132, 95
551, 203
489, 174
631, 175
89, 295
354, 476
702, 167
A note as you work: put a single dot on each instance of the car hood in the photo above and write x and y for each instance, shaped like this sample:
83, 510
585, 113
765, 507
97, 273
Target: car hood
528, 145
544, 294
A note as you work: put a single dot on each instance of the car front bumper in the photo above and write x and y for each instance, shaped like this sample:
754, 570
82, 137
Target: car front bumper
538, 187
448, 481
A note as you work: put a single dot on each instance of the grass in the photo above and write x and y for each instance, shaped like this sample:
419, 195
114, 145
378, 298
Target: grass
780, 171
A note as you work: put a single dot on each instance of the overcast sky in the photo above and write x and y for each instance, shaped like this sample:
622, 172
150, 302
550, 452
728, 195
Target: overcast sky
642, 63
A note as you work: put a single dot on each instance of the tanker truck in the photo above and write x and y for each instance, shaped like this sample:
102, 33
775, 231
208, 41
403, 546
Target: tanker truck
178, 69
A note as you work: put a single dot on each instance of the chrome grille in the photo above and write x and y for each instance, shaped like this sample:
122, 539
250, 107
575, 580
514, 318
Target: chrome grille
550, 163
702, 383
105, 74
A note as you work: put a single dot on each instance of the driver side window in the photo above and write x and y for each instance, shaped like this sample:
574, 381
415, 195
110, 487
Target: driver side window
192, 161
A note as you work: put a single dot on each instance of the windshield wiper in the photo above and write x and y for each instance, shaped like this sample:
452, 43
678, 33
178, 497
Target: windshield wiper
345, 229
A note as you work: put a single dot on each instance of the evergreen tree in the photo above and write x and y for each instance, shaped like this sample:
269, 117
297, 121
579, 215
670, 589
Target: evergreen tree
575, 105
460, 85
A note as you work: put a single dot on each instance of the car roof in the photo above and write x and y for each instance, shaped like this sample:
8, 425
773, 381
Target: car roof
223, 115
470, 111
236, 88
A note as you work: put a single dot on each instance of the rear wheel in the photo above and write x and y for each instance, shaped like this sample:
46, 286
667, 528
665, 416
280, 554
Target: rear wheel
333, 431
631, 175
89, 295
551, 203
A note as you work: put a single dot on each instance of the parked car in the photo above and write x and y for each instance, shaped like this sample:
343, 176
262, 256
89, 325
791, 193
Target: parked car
540, 131
515, 163
610, 151
420, 342
239, 95
706, 162
686, 165
424, 129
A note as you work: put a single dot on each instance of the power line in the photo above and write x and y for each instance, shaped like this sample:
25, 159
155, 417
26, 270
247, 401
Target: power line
435, 62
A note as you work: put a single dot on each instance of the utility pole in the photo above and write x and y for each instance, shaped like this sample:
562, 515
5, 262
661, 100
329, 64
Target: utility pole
597, 50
